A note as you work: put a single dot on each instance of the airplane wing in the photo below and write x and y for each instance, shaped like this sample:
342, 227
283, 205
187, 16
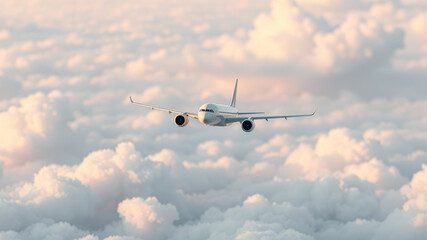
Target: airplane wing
239, 119
165, 109
239, 113
248, 113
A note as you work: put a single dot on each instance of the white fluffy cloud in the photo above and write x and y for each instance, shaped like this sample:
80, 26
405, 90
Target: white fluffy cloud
256, 218
286, 33
342, 154
37, 129
108, 181
294, 36
356, 43
332, 153
147, 217
90, 190
416, 191
377, 172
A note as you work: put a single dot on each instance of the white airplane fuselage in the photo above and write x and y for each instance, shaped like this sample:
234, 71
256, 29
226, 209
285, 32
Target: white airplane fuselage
213, 114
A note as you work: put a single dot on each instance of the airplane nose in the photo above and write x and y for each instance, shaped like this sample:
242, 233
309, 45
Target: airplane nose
203, 118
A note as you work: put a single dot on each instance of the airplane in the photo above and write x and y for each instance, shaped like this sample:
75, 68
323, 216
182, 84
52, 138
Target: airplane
220, 115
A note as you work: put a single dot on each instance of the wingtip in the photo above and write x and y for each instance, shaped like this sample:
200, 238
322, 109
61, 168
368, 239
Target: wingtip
130, 98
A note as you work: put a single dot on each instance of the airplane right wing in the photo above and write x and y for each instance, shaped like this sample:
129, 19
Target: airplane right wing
165, 109
239, 119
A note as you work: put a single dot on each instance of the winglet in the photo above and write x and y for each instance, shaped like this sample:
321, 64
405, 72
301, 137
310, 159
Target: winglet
130, 99
233, 101
314, 112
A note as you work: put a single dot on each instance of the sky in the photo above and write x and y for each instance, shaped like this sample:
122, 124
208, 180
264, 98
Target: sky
78, 161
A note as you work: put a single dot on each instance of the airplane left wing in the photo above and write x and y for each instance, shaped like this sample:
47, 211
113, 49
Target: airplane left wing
239, 119
165, 109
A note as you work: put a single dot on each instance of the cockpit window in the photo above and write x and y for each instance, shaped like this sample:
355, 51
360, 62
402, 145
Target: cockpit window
206, 110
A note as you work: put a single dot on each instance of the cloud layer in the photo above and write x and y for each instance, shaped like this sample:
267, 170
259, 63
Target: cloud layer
77, 161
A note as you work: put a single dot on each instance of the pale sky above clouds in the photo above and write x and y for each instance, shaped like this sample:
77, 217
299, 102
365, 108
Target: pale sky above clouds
77, 161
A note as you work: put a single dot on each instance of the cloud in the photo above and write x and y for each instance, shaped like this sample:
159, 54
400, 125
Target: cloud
37, 129
341, 153
112, 175
295, 211
356, 42
45, 197
417, 24
147, 217
339, 142
4, 34
113, 179
209, 174
377, 172
136, 67
152, 118
88, 190
414, 2
249, 221
399, 224
46, 230
416, 191
121, 238
158, 55
276, 35
3, 59
327, 7
332, 152
201, 28
79, 162
8, 86
1, 171
293, 36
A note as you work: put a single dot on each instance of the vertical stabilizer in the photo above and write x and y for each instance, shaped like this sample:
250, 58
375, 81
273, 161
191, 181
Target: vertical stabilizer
233, 101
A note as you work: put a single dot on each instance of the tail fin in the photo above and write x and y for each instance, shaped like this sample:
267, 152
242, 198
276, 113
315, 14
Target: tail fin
233, 101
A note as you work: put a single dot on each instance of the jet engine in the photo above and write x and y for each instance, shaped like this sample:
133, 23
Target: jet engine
181, 120
248, 125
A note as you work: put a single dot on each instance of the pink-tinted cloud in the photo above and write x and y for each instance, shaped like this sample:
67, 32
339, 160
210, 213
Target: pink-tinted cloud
79, 162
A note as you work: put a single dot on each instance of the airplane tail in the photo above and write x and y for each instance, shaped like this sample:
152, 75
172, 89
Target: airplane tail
233, 101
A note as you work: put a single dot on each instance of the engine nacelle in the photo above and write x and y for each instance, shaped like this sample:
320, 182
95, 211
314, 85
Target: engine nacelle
181, 120
248, 125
